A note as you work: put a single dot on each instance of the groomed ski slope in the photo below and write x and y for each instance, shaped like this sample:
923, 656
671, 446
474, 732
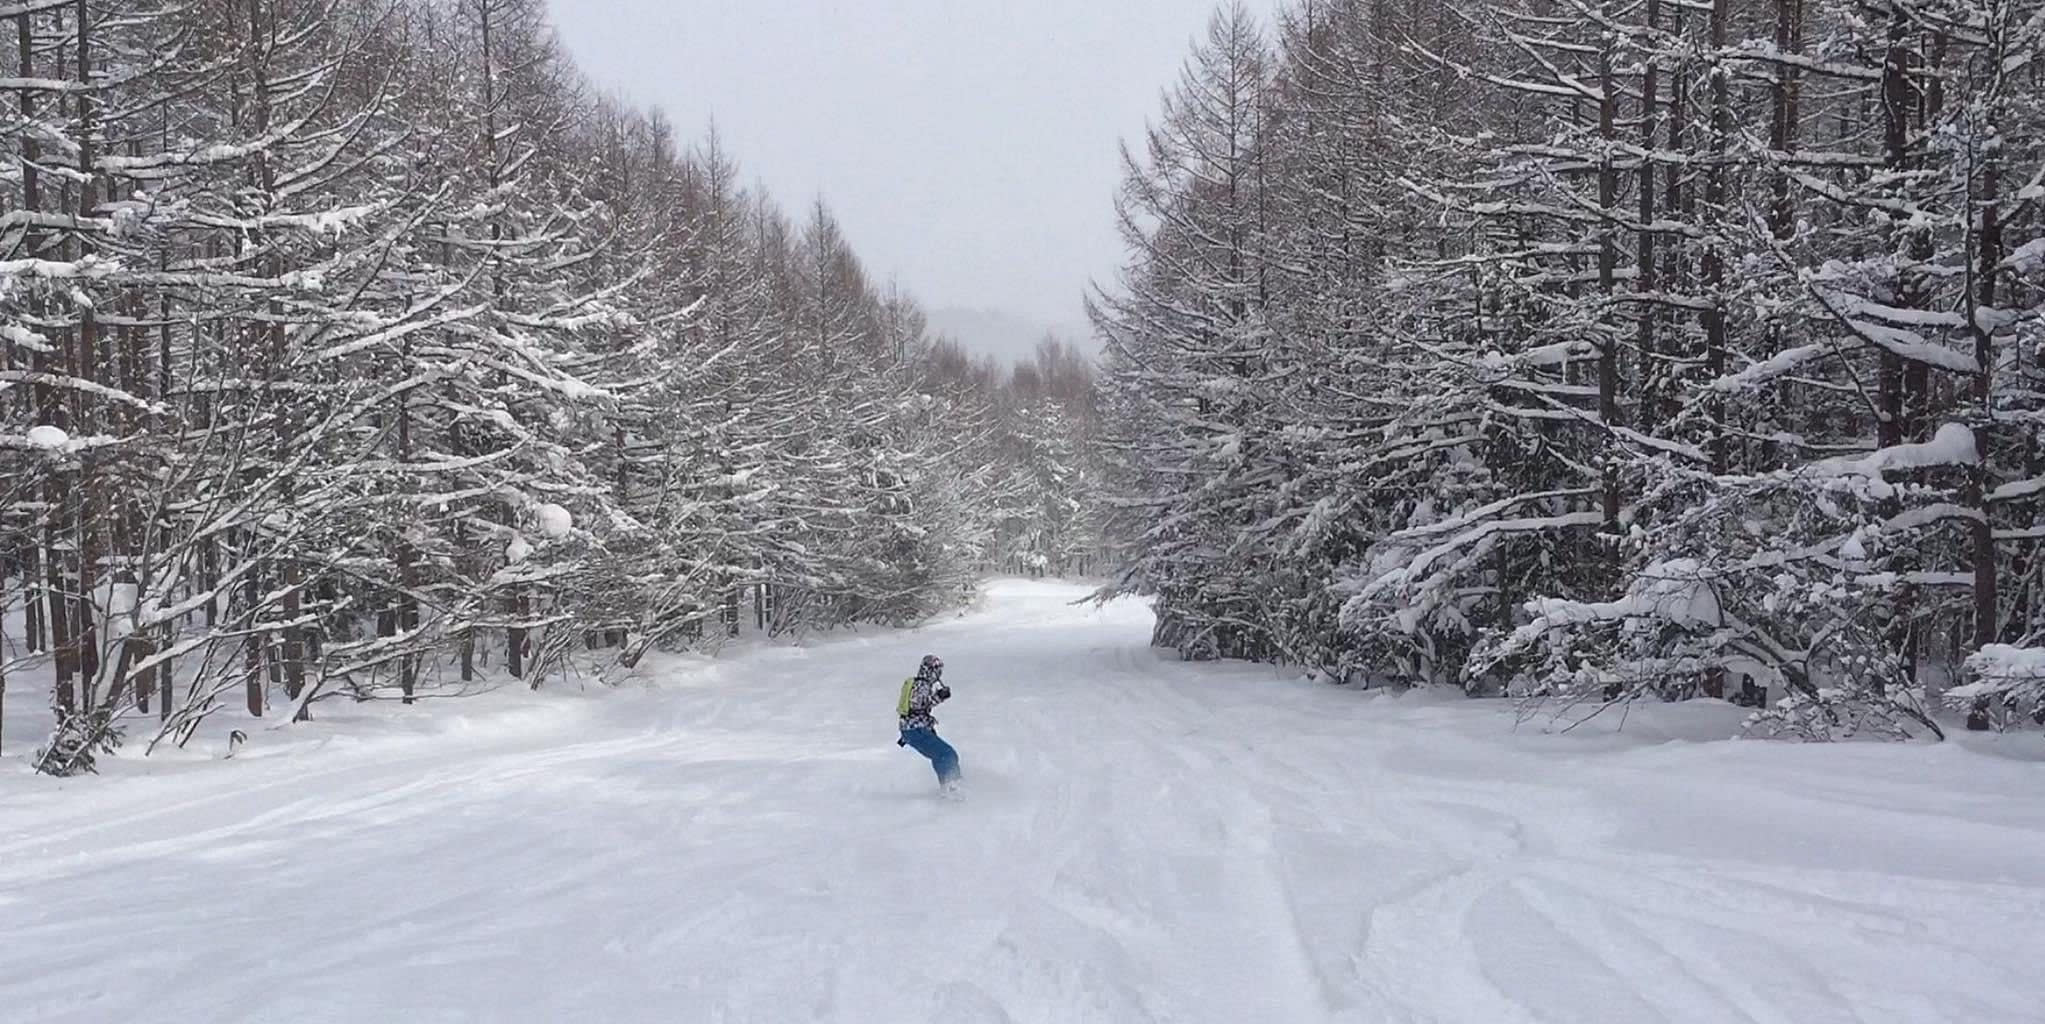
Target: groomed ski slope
1143, 840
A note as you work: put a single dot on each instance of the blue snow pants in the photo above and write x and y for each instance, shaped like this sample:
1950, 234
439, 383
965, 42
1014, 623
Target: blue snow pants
942, 757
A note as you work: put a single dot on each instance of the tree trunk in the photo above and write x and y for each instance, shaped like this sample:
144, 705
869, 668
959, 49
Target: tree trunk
1713, 262
1787, 96
408, 621
1608, 270
33, 594
405, 619
514, 635
1988, 259
252, 647
1644, 264
1897, 110
33, 589
64, 653
164, 677
1714, 268
87, 369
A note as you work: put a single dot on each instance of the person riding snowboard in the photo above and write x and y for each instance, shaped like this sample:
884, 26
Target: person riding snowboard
919, 726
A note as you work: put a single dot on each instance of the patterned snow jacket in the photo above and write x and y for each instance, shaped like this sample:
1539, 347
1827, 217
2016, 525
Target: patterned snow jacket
919, 695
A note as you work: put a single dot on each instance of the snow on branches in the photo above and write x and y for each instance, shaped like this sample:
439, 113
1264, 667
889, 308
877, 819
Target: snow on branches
1594, 351
363, 352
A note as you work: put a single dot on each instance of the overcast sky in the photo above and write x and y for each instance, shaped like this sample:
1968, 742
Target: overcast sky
969, 146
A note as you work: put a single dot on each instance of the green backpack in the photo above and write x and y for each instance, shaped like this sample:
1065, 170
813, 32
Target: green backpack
908, 691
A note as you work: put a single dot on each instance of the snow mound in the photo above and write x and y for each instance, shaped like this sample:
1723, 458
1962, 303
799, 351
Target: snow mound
1953, 445
1677, 591
2009, 661
48, 438
553, 520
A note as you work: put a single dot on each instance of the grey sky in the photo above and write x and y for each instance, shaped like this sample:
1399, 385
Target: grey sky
968, 146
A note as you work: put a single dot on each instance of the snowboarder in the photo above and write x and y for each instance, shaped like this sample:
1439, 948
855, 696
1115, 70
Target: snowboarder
919, 727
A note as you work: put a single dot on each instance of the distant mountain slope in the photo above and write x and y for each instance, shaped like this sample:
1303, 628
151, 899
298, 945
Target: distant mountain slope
1004, 335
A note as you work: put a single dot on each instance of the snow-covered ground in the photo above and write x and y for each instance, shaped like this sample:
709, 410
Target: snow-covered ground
1143, 840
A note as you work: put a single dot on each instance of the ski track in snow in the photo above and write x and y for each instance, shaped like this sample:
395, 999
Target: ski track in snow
1141, 840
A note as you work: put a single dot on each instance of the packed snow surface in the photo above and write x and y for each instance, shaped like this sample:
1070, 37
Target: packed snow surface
740, 840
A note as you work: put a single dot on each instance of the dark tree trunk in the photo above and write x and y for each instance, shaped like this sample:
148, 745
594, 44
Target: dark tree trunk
252, 648
1713, 264
1988, 259
1787, 96
1608, 271
1644, 264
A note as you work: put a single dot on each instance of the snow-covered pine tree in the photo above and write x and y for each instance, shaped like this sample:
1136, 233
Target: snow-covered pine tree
342, 334
1845, 579
1614, 350
1188, 379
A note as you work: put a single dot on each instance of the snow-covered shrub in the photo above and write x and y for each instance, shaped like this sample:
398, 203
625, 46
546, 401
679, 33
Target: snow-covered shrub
2006, 684
1796, 584
1661, 637
1831, 715
77, 742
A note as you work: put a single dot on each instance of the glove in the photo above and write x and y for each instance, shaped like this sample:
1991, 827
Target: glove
901, 742
943, 692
